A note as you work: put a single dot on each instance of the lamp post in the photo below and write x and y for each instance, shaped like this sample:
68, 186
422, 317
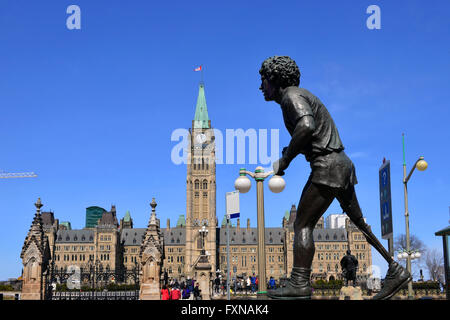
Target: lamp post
276, 185
203, 232
421, 165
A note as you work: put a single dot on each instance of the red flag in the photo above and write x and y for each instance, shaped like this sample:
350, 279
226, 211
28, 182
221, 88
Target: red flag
198, 69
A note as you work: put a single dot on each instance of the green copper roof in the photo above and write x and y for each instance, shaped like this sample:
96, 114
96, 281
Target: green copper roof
224, 222
201, 111
181, 221
67, 224
127, 217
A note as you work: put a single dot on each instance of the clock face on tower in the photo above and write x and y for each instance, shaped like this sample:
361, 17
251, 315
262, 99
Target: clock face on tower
200, 138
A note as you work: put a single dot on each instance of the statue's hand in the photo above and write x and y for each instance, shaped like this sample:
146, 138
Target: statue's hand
279, 166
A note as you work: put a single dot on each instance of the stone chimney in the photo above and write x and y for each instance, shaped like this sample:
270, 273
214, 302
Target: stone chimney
238, 224
168, 224
248, 223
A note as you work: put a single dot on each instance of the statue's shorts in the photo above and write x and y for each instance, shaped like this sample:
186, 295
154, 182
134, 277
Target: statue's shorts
334, 169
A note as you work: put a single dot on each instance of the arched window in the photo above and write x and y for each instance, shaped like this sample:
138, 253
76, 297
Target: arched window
197, 185
203, 164
205, 184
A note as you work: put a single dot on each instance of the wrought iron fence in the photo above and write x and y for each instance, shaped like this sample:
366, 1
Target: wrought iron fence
92, 282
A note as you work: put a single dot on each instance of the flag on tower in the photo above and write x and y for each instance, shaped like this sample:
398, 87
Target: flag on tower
198, 69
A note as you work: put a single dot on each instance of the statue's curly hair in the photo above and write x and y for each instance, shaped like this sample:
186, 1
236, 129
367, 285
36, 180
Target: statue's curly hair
281, 70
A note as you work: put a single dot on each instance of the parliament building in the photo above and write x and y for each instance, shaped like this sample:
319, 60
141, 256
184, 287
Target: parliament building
116, 244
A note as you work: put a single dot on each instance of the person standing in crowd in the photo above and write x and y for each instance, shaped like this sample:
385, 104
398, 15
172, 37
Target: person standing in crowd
165, 293
176, 294
217, 285
186, 293
253, 283
224, 286
272, 283
197, 291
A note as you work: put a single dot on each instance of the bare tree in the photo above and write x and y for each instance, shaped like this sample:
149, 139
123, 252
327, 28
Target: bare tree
435, 264
416, 243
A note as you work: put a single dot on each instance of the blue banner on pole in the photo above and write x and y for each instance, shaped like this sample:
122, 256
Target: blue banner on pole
234, 215
385, 200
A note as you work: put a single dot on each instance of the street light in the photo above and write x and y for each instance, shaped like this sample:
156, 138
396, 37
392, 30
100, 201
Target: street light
276, 185
403, 255
421, 165
203, 232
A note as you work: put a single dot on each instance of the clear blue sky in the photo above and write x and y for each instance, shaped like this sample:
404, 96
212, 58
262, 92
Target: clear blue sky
92, 110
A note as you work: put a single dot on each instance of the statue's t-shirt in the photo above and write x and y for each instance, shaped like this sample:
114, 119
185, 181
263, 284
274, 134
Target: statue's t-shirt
330, 165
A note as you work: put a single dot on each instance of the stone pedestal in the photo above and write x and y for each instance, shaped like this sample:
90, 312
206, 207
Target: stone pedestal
350, 293
203, 276
150, 291
31, 291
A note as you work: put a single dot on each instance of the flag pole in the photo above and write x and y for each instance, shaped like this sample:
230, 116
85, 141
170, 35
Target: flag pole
201, 71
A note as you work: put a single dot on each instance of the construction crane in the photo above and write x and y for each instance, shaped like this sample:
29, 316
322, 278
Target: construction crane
5, 175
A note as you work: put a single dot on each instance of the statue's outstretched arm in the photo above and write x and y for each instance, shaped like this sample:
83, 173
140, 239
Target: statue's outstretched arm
300, 138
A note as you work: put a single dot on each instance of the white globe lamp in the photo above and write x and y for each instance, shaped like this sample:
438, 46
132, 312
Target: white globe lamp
276, 184
242, 184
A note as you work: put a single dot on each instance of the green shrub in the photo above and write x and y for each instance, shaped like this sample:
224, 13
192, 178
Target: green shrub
6, 287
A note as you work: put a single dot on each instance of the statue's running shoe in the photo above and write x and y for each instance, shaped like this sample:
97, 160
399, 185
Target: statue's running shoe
396, 278
297, 288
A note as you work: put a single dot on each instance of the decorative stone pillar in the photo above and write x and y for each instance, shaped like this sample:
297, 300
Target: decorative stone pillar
151, 256
35, 256
202, 274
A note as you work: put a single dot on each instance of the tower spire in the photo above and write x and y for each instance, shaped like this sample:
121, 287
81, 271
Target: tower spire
201, 118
